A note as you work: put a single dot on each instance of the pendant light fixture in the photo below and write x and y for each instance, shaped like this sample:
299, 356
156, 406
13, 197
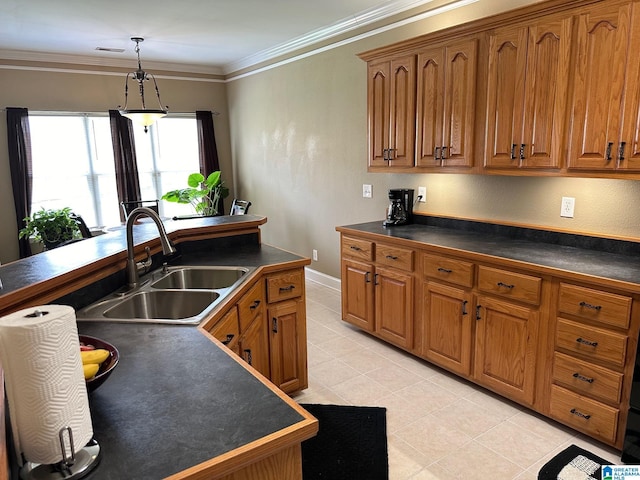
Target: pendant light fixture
143, 116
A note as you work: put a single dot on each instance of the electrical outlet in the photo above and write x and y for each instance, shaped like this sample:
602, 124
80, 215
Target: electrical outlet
422, 194
314, 255
567, 207
366, 191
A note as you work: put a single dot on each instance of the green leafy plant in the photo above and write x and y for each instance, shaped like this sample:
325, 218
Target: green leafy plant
51, 227
203, 194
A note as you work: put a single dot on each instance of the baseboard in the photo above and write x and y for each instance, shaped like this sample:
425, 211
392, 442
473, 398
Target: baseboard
322, 279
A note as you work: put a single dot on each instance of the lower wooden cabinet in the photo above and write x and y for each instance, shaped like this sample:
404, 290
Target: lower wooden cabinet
394, 306
288, 345
357, 294
254, 347
267, 328
505, 348
447, 327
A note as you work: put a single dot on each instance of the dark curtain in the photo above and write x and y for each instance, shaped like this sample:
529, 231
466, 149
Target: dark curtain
19, 143
124, 156
209, 161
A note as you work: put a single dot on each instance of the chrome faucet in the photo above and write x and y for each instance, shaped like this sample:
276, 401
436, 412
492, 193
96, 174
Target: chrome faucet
167, 247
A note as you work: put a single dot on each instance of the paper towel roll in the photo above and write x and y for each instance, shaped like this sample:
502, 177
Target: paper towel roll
44, 381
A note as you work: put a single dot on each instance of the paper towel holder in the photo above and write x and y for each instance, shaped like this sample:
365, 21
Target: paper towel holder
74, 466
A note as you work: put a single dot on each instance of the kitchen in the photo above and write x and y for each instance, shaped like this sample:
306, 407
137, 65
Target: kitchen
298, 125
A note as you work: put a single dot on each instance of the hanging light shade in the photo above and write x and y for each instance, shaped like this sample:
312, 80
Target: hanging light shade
142, 116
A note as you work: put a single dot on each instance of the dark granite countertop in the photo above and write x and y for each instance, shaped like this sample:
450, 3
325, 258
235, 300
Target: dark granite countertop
584, 261
175, 400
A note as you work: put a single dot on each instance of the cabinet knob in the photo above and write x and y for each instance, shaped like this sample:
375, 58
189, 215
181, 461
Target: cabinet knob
247, 356
254, 305
227, 341
436, 153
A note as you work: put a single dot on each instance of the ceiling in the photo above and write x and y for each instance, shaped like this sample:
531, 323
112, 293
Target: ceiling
218, 35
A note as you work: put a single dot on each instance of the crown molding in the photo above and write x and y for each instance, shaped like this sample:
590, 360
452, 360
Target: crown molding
362, 19
99, 61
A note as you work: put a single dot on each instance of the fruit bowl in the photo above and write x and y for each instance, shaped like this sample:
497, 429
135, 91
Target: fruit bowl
106, 368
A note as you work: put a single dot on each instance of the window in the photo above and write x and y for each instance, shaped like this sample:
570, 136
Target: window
73, 164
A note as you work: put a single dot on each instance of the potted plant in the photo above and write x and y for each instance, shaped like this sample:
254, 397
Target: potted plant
203, 194
51, 227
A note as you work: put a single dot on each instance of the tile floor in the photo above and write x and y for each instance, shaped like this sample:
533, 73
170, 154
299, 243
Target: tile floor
438, 425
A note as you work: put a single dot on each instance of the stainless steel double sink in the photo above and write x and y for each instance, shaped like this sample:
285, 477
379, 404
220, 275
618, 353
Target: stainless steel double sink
182, 295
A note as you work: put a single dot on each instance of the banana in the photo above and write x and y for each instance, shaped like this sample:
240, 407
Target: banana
98, 356
90, 370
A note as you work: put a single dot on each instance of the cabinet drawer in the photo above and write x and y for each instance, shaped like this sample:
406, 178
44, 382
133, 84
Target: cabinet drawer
588, 415
227, 330
509, 284
448, 269
283, 286
397, 257
251, 305
603, 307
586, 378
362, 249
591, 342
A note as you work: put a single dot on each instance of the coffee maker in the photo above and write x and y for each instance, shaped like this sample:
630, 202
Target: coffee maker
400, 210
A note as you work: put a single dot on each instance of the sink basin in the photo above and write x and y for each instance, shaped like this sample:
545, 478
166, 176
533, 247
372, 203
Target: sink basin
180, 294
205, 278
161, 304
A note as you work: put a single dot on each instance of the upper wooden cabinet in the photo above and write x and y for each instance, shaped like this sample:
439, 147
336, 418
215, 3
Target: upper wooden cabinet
548, 89
391, 99
598, 140
527, 90
446, 105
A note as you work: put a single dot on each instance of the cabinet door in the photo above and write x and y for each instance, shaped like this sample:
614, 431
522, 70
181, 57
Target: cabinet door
402, 112
447, 327
378, 92
505, 356
430, 106
548, 56
254, 346
459, 104
602, 43
394, 306
391, 110
505, 96
288, 345
357, 294
631, 123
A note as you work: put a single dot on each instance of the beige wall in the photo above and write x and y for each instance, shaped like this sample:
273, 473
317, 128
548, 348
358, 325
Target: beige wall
84, 92
300, 152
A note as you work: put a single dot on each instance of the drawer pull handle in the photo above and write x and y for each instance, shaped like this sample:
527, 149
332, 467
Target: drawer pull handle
367, 277
444, 270
248, 357
254, 305
355, 247
274, 325
287, 289
436, 154
478, 307
580, 414
229, 338
588, 305
586, 342
464, 307
391, 257
505, 285
583, 378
